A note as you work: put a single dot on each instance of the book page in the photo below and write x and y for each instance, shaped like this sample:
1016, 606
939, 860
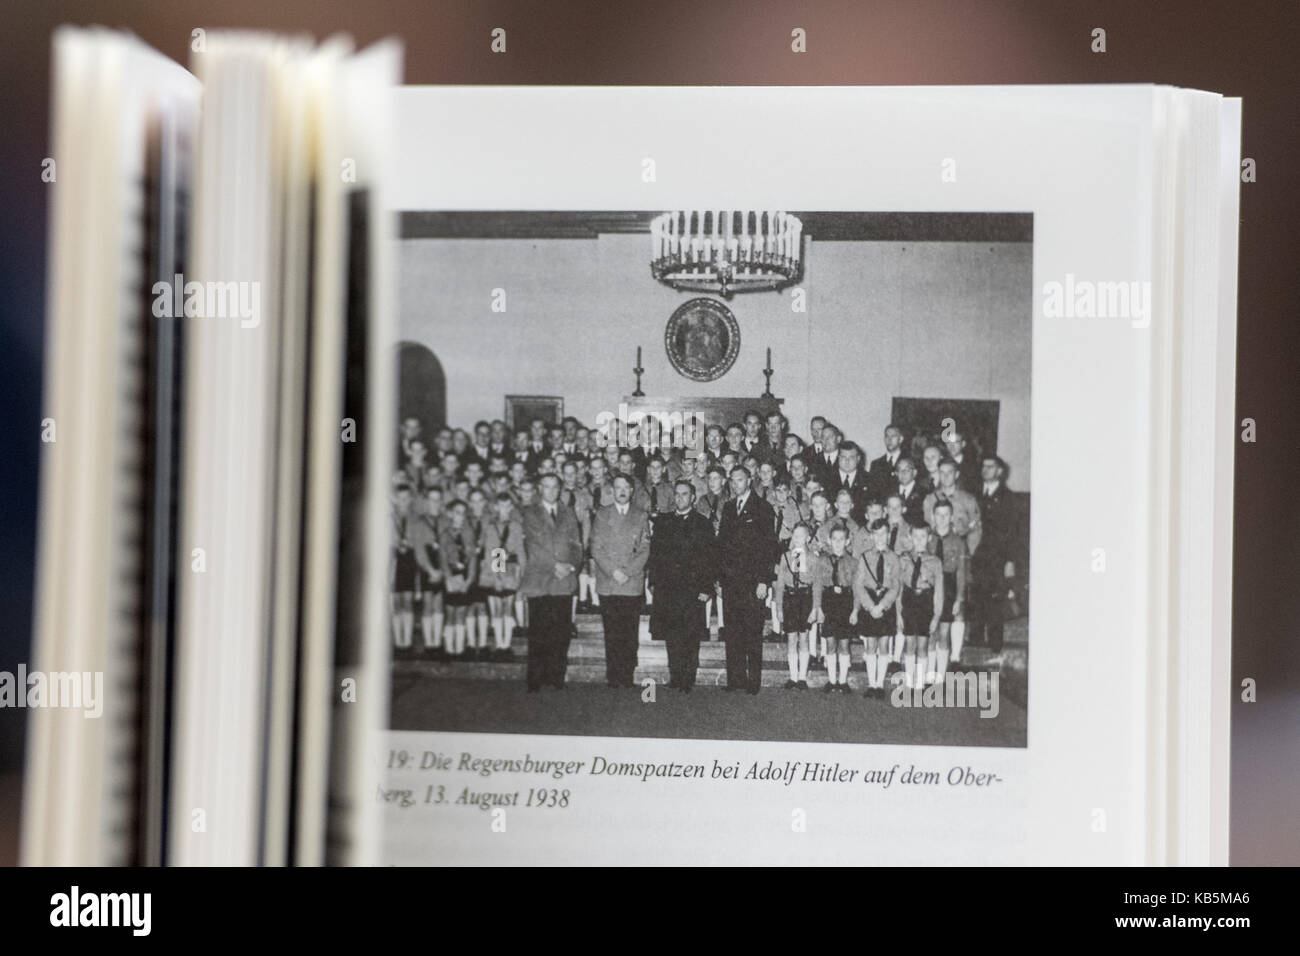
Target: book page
944, 297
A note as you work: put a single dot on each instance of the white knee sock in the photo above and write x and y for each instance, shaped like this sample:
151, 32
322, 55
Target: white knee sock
958, 636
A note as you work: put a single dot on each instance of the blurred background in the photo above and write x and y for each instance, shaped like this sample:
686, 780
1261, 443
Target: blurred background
1243, 48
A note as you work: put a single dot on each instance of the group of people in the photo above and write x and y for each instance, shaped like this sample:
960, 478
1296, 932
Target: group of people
757, 531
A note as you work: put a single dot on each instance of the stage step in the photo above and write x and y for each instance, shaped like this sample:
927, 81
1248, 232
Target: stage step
590, 668
589, 671
655, 654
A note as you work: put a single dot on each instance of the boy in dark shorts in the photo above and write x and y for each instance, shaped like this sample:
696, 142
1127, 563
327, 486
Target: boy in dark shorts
875, 591
920, 605
833, 602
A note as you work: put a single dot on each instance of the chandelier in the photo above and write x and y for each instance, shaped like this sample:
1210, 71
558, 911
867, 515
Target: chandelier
726, 251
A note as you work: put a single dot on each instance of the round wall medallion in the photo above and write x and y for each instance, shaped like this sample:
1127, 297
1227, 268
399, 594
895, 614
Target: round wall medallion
702, 339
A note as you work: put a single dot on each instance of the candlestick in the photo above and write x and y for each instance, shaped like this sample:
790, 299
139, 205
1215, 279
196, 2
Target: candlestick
638, 370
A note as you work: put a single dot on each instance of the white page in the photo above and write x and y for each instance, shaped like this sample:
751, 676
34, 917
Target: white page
1081, 161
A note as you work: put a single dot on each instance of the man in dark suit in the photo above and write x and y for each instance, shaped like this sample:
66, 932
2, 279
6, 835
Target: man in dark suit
968, 466
910, 492
481, 450
882, 476
620, 545
520, 451
746, 552
752, 443
993, 566
773, 448
824, 465
849, 476
409, 432
552, 554
499, 441
681, 571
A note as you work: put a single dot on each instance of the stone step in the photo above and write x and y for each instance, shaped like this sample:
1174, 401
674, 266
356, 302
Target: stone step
592, 670
653, 653
589, 671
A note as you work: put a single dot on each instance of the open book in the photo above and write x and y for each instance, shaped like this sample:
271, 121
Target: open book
527, 475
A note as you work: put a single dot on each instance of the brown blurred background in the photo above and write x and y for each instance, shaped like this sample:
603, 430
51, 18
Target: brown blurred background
1246, 49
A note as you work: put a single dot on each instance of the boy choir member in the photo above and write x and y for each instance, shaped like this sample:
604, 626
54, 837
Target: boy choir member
876, 586
950, 548
920, 605
715, 497
458, 549
425, 535
658, 487
500, 569
833, 606
402, 580
965, 509
792, 604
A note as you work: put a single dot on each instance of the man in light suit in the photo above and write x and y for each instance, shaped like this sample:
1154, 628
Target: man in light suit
620, 545
553, 552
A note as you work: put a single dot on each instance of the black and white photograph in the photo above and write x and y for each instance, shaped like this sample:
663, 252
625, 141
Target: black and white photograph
716, 474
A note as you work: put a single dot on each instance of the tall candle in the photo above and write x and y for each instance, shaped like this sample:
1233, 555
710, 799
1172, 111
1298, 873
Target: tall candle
638, 356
